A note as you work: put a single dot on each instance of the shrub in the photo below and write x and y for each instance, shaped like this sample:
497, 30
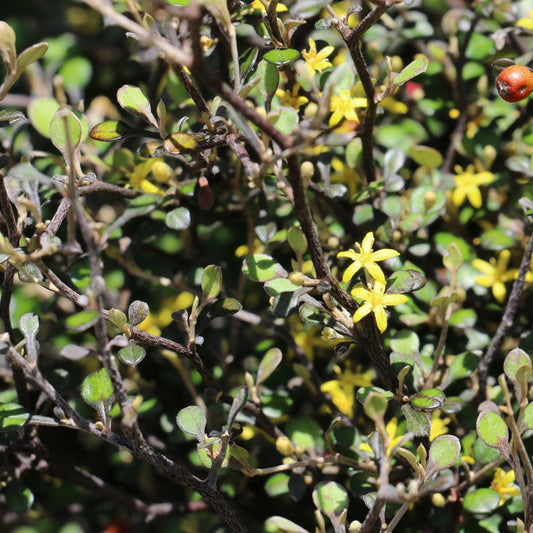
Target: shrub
266, 267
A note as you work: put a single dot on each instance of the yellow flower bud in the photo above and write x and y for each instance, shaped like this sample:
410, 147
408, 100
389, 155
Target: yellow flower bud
284, 446
438, 500
161, 172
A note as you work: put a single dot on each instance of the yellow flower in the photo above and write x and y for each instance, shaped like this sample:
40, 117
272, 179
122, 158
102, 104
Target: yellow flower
375, 301
366, 258
467, 184
317, 61
344, 107
439, 426
344, 174
291, 98
526, 22
503, 484
391, 429
341, 389
257, 4
495, 274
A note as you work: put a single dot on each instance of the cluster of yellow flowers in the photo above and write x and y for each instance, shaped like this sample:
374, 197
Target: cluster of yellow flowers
374, 298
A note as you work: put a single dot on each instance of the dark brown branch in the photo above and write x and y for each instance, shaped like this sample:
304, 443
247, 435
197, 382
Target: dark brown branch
14, 233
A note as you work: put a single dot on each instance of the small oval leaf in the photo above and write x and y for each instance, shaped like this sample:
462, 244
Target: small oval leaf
443, 453
178, 219
262, 267
111, 130
133, 100
416, 67
192, 420
492, 429
281, 57
481, 501
137, 312
428, 399
132, 354
97, 388
211, 281
330, 498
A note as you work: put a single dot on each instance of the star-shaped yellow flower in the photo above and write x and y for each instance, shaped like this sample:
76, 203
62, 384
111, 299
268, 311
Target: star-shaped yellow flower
467, 184
394, 439
291, 98
495, 274
317, 61
503, 484
342, 389
344, 106
375, 300
366, 258
439, 426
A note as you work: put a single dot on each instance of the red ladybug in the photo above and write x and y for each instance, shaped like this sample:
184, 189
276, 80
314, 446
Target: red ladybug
515, 83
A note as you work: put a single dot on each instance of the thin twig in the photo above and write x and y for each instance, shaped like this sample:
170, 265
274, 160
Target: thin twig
507, 320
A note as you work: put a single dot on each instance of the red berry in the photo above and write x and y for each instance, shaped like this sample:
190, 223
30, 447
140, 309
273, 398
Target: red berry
515, 83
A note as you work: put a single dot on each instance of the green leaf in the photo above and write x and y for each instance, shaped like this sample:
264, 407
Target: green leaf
40, 112
145, 200
97, 389
12, 416
211, 281
285, 525
269, 79
65, 130
330, 498
297, 240
29, 325
277, 286
281, 57
176, 143
178, 219
514, 360
428, 399
492, 429
404, 281
364, 392
443, 453
30, 55
111, 130
118, 318
241, 397
19, 498
262, 267
10, 116
8, 49
192, 420
481, 501
306, 433
287, 120
426, 156
416, 67
527, 419
462, 366
133, 100
453, 259
375, 406
77, 72
277, 485
405, 341
132, 354
418, 422
268, 364
137, 312
82, 320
